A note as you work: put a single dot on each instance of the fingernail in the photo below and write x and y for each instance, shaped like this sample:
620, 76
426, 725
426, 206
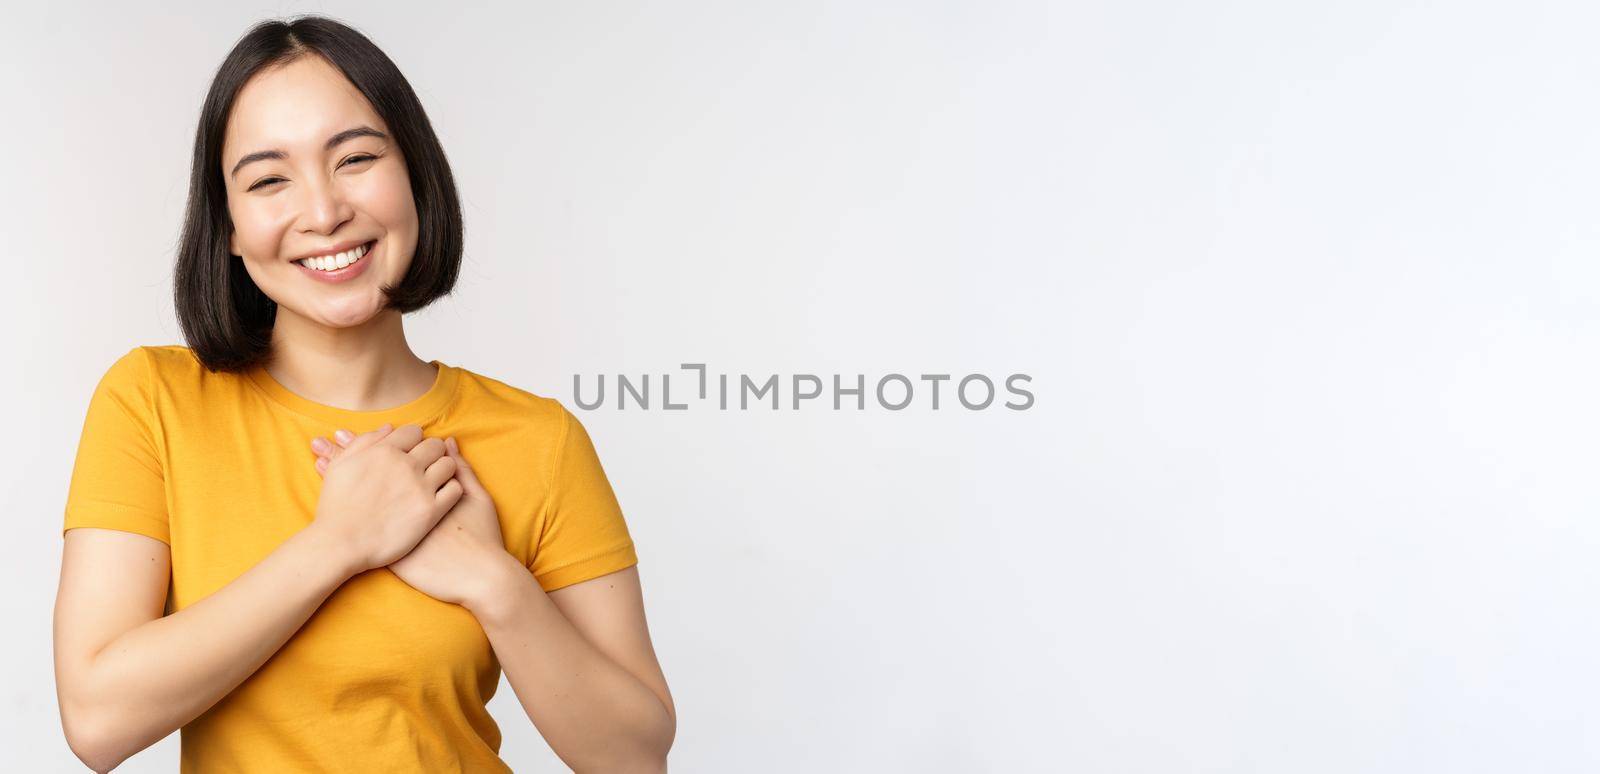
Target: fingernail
452, 443
344, 436
319, 445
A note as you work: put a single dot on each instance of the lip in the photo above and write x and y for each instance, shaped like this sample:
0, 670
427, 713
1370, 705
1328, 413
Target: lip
335, 250
347, 273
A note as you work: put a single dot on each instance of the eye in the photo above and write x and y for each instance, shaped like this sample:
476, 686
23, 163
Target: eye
359, 158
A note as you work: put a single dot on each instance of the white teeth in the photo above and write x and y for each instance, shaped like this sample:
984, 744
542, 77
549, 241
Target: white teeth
331, 262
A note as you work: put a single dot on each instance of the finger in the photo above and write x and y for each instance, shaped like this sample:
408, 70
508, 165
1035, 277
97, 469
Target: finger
322, 465
447, 496
403, 437
383, 433
426, 451
325, 448
439, 472
464, 471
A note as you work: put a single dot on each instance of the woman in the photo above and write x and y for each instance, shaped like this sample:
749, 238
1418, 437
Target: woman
339, 605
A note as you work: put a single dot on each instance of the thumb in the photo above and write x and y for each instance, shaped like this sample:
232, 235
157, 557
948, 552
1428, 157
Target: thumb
464, 472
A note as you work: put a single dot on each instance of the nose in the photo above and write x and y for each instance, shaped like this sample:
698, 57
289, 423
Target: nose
324, 208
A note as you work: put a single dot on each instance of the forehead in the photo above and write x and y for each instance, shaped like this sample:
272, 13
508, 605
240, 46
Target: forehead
294, 107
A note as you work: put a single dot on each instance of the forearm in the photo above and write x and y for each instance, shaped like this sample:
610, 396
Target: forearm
158, 676
594, 714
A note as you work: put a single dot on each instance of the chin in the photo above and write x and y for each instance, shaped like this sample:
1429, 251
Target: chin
349, 321
348, 315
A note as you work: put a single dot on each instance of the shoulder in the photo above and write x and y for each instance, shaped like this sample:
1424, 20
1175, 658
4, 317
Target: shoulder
175, 367
132, 386
545, 425
540, 416
170, 359
511, 423
151, 370
154, 359
136, 368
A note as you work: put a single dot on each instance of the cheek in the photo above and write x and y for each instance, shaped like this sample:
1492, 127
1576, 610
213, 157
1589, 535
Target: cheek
257, 226
388, 199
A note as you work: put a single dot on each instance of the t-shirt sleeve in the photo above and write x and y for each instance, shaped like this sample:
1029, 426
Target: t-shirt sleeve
583, 535
117, 480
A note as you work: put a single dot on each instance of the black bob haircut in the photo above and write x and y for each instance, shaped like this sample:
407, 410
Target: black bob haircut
226, 319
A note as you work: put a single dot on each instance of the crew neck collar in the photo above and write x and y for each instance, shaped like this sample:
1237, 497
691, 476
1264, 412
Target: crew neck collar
419, 411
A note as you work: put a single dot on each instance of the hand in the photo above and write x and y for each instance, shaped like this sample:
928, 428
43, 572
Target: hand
456, 562
387, 489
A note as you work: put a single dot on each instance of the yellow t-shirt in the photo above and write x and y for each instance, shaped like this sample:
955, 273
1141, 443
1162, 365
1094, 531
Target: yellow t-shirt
382, 677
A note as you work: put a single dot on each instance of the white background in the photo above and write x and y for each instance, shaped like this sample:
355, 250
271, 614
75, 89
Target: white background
1307, 290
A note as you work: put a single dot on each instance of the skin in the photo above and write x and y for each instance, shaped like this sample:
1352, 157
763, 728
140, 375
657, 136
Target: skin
332, 343
579, 658
585, 647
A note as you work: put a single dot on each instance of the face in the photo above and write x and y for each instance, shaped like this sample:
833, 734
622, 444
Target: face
321, 176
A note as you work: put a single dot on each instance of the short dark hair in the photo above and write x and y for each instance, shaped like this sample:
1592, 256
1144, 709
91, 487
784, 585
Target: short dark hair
226, 319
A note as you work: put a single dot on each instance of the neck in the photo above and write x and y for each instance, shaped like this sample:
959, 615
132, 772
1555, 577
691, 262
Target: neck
368, 367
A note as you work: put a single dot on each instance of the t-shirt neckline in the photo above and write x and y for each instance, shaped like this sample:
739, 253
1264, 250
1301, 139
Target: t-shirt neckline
419, 411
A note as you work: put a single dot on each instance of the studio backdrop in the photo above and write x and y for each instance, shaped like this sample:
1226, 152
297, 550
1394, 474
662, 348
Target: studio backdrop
988, 386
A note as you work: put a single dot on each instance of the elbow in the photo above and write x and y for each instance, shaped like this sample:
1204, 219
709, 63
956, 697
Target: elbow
651, 758
662, 733
669, 731
648, 754
635, 765
655, 741
668, 734
90, 740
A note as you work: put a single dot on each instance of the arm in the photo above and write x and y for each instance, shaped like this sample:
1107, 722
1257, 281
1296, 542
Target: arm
126, 676
581, 663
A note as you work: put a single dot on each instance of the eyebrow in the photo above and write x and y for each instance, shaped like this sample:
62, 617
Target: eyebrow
333, 142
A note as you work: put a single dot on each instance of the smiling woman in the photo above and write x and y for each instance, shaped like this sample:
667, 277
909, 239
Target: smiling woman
304, 152
297, 603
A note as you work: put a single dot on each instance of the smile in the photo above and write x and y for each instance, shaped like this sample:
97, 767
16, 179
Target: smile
339, 267
337, 261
